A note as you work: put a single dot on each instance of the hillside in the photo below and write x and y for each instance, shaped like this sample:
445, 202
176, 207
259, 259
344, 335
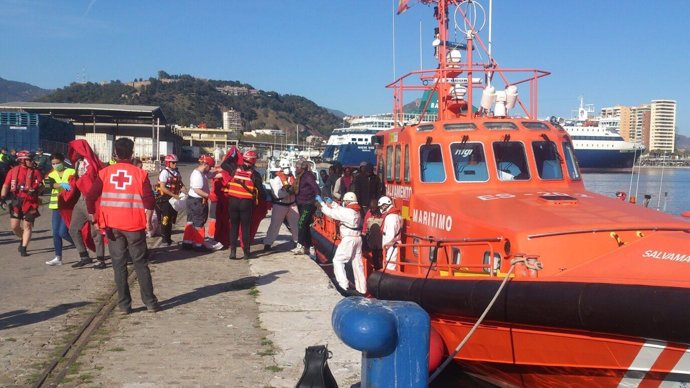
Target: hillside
19, 91
186, 100
682, 143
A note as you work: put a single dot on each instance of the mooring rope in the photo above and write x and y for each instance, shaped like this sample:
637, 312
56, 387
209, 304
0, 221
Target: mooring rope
451, 357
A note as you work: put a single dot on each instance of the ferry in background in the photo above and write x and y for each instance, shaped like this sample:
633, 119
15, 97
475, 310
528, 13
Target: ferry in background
598, 143
352, 145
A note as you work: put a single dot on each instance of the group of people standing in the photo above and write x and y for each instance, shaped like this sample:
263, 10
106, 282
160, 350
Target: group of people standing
94, 205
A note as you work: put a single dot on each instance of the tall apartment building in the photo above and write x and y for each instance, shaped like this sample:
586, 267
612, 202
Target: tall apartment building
662, 126
653, 125
640, 123
232, 120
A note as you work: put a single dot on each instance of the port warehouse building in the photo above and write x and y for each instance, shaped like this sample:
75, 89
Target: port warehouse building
30, 125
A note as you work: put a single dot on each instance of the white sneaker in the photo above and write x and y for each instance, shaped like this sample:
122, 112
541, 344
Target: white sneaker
213, 245
55, 262
299, 249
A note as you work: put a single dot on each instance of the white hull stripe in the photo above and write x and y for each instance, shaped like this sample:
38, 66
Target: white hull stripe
642, 363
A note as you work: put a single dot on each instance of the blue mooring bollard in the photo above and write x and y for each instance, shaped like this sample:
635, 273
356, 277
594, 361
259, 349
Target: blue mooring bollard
392, 336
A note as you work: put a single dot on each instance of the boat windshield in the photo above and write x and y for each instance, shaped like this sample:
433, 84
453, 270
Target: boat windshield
547, 160
469, 162
431, 163
511, 161
570, 161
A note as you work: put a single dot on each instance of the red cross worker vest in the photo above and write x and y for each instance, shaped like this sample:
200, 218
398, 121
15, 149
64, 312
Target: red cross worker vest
122, 206
241, 185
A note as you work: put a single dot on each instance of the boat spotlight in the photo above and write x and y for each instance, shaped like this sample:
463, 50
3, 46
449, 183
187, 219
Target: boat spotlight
454, 57
488, 97
457, 92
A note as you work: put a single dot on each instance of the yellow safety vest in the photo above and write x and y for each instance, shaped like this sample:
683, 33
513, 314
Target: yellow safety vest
66, 174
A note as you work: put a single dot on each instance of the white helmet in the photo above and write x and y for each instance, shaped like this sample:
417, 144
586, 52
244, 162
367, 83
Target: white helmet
350, 197
284, 163
385, 203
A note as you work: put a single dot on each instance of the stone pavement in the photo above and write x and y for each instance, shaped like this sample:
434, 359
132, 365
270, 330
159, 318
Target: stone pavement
243, 323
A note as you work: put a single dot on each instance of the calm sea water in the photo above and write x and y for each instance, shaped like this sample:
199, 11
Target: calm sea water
668, 187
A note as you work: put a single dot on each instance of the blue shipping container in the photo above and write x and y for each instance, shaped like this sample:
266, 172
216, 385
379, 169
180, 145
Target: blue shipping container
29, 131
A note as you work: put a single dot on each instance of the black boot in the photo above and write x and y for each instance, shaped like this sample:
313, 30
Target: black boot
233, 253
247, 254
101, 263
22, 251
84, 259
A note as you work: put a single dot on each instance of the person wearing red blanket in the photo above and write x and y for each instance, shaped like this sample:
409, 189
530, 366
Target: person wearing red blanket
87, 165
222, 217
244, 192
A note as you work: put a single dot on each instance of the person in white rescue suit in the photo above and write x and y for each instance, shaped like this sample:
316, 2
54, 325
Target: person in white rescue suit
350, 247
391, 229
284, 207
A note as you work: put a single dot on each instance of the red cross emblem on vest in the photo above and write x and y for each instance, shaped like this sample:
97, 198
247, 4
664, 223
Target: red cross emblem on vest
121, 179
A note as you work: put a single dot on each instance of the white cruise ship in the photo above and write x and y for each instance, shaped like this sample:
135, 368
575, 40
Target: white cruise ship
598, 143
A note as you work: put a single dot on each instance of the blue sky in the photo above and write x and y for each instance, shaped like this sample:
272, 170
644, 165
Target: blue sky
340, 53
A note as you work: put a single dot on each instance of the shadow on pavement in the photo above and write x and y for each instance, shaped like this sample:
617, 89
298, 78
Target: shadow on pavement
18, 318
244, 283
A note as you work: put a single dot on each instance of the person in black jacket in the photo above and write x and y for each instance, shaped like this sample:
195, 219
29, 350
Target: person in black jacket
367, 186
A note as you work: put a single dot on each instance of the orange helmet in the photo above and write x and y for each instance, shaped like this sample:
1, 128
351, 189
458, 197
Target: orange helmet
207, 159
250, 156
170, 158
23, 154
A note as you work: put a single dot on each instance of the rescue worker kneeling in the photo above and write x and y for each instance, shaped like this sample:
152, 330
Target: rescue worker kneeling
350, 247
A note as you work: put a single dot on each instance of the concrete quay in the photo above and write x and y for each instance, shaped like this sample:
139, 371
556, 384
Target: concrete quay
235, 323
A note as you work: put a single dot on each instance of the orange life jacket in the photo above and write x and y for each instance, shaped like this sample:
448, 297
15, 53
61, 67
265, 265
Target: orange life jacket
32, 181
174, 182
122, 205
286, 180
241, 185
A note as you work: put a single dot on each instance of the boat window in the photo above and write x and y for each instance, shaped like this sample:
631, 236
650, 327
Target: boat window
389, 164
511, 161
406, 174
469, 162
535, 125
425, 127
457, 256
460, 127
431, 163
570, 161
547, 160
500, 125
396, 166
492, 266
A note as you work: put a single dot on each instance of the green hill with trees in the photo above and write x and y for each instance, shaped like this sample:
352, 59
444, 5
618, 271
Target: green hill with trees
187, 100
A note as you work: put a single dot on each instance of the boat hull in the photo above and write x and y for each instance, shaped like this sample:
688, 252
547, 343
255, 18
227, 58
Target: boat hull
542, 333
350, 154
605, 159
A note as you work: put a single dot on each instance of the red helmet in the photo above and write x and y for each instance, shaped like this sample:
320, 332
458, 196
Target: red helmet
23, 154
207, 159
250, 156
170, 158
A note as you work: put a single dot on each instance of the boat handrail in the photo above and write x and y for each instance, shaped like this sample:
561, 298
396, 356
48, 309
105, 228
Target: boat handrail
599, 230
450, 268
456, 240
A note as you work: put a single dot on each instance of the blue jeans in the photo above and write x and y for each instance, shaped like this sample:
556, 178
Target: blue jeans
59, 232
